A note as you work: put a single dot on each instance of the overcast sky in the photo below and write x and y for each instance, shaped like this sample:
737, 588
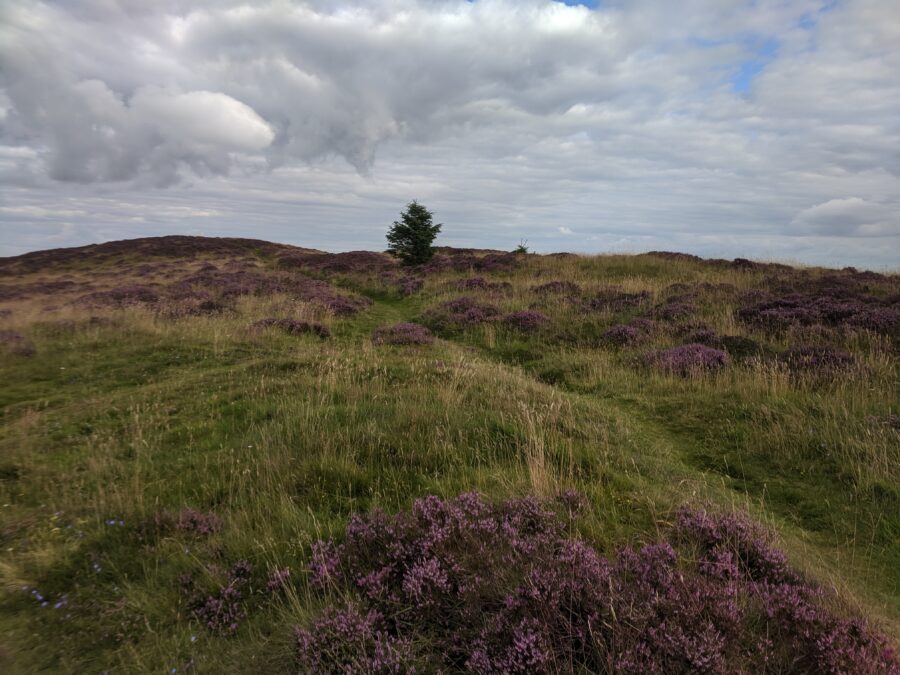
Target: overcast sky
766, 128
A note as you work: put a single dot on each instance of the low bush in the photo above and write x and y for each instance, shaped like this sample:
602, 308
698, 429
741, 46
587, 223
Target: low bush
464, 584
687, 359
402, 334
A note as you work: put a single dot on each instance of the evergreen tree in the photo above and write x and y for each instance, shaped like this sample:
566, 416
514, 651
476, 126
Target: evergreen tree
410, 239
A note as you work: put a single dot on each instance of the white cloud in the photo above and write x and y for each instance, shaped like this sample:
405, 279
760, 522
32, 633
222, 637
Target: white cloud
507, 116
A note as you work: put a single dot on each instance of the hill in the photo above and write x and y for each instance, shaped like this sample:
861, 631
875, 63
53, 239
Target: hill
229, 455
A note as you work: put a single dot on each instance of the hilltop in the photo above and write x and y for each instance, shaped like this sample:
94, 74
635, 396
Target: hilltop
231, 455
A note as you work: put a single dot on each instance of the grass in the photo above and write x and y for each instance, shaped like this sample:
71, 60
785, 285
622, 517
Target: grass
285, 437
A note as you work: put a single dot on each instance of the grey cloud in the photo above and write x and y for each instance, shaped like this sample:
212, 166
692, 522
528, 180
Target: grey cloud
515, 119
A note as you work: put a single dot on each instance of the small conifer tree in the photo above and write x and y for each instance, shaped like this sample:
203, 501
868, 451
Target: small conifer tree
410, 239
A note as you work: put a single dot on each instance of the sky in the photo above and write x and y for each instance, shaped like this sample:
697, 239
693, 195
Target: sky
766, 129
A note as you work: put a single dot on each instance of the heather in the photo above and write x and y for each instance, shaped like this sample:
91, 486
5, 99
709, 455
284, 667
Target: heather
406, 333
293, 326
464, 584
460, 314
192, 478
689, 359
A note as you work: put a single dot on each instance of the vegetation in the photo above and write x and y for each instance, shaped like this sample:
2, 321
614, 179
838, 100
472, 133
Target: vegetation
411, 238
207, 446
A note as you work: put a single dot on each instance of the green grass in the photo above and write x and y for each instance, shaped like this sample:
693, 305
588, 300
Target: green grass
286, 437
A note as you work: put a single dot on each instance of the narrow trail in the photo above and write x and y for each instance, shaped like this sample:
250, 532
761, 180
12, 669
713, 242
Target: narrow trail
672, 454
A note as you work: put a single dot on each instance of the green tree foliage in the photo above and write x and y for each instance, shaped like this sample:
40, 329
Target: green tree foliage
410, 239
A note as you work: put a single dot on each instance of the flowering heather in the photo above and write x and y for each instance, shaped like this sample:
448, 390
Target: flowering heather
461, 260
402, 334
365, 262
673, 310
409, 285
242, 282
459, 314
687, 359
293, 326
623, 335
613, 300
222, 611
817, 359
121, 297
463, 584
346, 640
198, 523
482, 284
557, 288
526, 321
861, 312
278, 580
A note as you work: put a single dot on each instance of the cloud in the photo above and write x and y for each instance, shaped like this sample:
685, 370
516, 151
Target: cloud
565, 230
635, 122
849, 216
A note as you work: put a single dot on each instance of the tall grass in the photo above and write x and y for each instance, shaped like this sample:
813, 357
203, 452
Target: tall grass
286, 437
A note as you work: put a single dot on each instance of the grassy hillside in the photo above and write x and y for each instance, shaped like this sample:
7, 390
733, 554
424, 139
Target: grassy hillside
157, 430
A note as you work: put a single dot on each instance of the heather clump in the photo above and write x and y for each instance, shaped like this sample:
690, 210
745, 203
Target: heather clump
482, 284
242, 281
673, 310
188, 521
816, 359
406, 333
615, 300
468, 260
345, 640
222, 610
121, 296
557, 287
837, 307
689, 359
460, 314
623, 335
526, 321
736, 346
293, 326
466, 584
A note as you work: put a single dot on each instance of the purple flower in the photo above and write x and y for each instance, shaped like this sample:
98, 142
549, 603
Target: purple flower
689, 359
402, 334
526, 321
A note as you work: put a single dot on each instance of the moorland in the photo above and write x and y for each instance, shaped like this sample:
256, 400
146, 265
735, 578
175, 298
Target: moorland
229, 455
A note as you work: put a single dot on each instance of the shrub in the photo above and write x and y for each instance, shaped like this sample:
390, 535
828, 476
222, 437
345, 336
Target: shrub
482, 284
293, 326
687, 359
557, 288
817, 358
459, 314
526, 321
674, 311
222, 611
464, 584
402, 334
634, 332
348, 641
614, 300
122, 296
